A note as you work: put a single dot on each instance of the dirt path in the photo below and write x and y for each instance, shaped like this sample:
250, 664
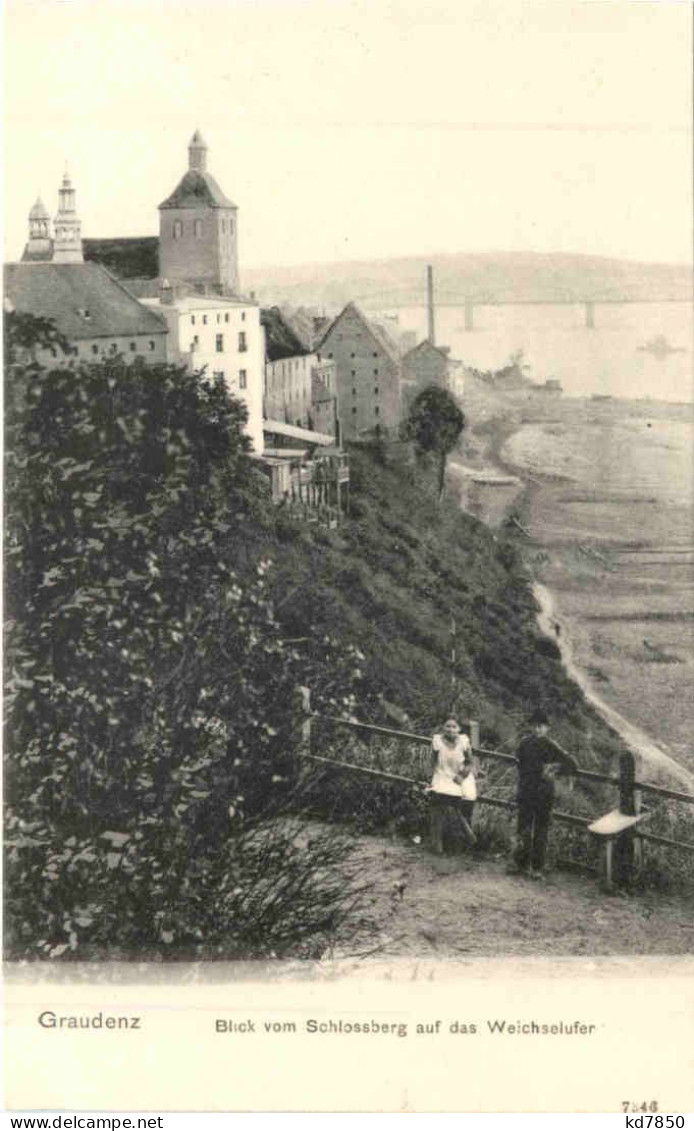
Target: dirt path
457, 906
636, 738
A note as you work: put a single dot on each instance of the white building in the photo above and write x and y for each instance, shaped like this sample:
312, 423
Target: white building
222, 335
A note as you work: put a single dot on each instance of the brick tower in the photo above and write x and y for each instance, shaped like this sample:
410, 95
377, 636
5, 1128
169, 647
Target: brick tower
198, 229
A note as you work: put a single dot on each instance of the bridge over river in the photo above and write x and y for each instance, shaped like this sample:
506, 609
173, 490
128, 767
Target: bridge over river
411, 296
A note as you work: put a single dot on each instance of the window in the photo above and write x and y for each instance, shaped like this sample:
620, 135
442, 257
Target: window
243, 346
353, 355
197, 229
113, 347
219, 317
375, 373
192, 319
151, 347
218, 375
354, 392
204, 319
330, 355
375, 390
354, 411
354, 372
196, 341
133, 347
219, 343
224, 225
375, 353
243, 315
243, 379
95, 349
231, 226
177, 229
377, 411
226, 317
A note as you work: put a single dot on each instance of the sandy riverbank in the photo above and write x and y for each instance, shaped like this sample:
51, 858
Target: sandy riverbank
638, 741
626, 632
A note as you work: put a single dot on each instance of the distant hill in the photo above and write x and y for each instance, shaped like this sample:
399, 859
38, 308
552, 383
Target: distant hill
500, 276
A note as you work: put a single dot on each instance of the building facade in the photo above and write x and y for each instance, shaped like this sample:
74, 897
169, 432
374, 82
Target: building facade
223, 336
95, 312
428, 364
368, 375
198, 229
299, 389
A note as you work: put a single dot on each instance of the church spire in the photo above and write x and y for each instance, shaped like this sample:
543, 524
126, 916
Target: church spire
68, 226
197, 153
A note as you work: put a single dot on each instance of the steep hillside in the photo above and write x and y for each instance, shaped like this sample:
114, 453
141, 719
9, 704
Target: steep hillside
406, 581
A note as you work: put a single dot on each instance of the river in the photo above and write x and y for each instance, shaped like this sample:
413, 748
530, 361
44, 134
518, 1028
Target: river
635, 349
611, 512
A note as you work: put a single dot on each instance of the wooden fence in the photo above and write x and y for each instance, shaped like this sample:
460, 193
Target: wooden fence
629, 791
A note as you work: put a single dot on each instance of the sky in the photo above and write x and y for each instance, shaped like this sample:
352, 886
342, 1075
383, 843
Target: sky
360, 129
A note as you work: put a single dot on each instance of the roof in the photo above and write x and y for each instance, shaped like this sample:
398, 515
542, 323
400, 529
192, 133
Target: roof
425, 347
39, 211
83, 299
43, 254
197, 301
377, 332
279, 428
198, 139
197, 189
280, 339
303, 324
133, 257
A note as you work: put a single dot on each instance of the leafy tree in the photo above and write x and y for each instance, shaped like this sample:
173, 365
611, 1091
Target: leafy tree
148, 687
435, 423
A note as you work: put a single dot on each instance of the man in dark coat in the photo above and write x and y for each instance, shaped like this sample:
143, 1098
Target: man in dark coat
537, 757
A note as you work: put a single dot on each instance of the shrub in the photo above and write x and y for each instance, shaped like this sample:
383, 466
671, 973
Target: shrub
148, 686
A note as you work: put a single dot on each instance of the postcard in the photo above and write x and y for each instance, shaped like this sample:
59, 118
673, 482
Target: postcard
348, 557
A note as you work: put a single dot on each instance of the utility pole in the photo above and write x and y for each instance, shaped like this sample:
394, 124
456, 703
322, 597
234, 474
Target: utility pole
430, 305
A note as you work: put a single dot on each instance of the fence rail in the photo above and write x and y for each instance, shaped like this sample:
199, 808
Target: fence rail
630, 790
499, 755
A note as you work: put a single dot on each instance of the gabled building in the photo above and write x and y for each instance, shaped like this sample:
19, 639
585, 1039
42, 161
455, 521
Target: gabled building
428, 364
368, 374
89, 307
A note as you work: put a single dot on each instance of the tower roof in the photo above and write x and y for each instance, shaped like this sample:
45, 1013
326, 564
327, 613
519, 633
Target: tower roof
39, 211
197, 190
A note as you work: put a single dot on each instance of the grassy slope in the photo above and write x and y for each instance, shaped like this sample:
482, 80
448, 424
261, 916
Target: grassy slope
391, 579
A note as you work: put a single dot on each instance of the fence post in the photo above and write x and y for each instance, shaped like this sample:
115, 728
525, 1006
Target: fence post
627, 851
627, 779
301, 724
637, 841
474, 733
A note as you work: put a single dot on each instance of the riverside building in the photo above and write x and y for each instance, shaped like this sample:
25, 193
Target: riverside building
368, 374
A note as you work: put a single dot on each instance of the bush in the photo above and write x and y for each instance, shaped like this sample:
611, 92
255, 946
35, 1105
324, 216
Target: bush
149, 688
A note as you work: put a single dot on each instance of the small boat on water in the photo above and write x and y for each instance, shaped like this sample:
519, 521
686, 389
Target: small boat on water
660, 347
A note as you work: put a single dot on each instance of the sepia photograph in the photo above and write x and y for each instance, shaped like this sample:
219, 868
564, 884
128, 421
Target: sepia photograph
348, 554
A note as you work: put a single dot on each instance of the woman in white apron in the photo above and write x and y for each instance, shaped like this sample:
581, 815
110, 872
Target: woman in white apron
453, 789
